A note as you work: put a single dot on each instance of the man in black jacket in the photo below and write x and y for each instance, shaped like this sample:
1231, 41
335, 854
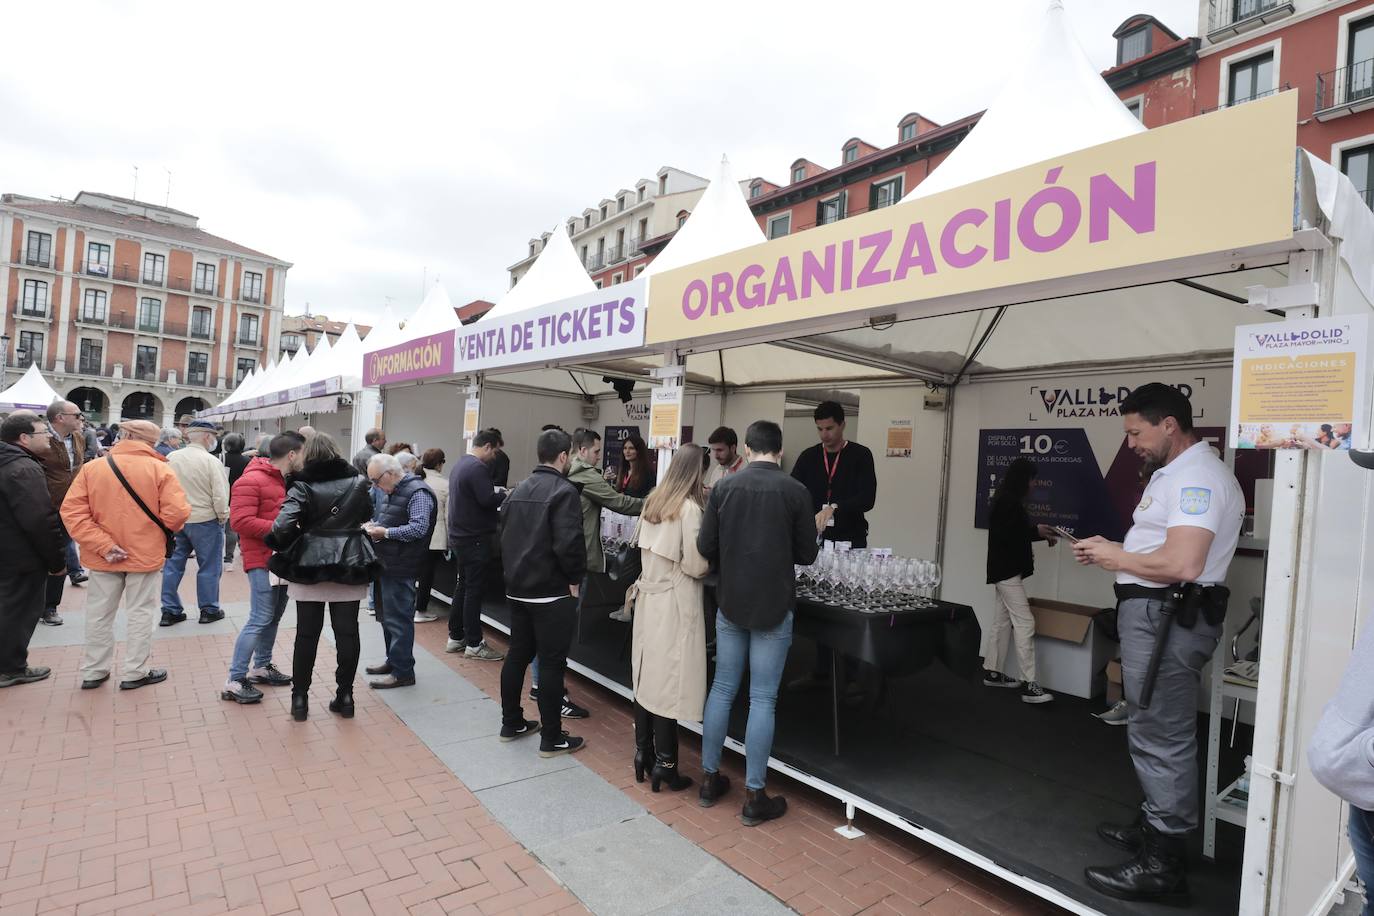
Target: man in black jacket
31, 542
545, 559
474, 499
758, 525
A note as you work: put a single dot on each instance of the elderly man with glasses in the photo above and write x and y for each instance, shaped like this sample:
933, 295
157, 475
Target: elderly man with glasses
61, 461
404, 523
31, 539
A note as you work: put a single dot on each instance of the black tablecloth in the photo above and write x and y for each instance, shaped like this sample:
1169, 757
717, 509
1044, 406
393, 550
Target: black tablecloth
896, 642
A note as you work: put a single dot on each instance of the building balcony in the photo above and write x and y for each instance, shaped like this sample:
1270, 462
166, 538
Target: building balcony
91, 367
33, 259
250, 296
1344, 91
23, 309
96, 269
596, 261
202, 332
152, 279
1249, 98
148, 326
246, 340
197, 380
1236, 17
204, 290
615, 254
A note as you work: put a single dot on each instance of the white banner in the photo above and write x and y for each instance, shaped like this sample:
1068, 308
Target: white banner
594, 323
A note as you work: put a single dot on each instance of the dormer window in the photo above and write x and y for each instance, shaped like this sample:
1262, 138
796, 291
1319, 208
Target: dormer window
620, 205
572, 229
534, 248
640, 192
851, 153
908, 132
1133, 45
799, 174
755, 189
587, 222
603, 214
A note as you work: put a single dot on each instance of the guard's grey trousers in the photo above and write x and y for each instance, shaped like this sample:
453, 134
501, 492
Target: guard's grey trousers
1163, 738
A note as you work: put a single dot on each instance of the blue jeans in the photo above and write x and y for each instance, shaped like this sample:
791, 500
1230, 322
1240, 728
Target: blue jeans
207, 538
73, 559
1361, 830
260, 632
398, 625
763, 653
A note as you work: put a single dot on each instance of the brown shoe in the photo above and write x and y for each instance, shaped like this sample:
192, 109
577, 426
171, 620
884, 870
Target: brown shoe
390, 681
383, 668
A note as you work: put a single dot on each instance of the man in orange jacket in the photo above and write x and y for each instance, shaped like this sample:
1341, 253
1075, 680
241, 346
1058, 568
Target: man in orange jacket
124, 549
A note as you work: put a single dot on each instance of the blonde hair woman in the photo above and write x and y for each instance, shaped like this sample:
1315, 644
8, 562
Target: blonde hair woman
669, 655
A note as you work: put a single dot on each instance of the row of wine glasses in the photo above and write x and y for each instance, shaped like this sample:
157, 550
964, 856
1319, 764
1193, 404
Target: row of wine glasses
862, 580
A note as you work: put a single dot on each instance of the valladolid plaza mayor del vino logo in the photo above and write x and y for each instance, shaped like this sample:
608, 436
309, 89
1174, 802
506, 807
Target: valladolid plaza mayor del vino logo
1091, 400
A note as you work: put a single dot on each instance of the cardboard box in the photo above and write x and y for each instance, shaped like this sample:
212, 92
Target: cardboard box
1071, 654
1114, 681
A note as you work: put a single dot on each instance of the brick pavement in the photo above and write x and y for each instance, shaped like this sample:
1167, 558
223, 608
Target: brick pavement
168, 800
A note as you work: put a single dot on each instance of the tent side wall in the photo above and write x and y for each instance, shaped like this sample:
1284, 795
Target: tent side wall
1301, 868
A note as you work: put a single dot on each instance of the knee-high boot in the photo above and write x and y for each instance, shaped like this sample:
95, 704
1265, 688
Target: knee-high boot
665, 757
644, 742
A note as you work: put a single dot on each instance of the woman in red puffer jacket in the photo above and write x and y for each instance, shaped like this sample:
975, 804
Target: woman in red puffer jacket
254, 502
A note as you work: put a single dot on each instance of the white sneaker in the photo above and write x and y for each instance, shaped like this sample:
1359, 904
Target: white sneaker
1034, 693
455, 645
425, 617
1117, 715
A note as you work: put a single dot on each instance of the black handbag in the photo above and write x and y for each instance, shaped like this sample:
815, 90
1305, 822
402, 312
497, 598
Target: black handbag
626, 564
166, 532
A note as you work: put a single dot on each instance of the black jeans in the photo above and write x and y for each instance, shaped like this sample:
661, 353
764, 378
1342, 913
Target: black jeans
56, 586
21, 604
546, 631
425, 584
343, 615
473, 556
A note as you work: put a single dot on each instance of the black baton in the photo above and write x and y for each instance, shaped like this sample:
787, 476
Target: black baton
1166, 623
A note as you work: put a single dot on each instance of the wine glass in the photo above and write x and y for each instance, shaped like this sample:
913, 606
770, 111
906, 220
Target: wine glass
934, 579
923, 578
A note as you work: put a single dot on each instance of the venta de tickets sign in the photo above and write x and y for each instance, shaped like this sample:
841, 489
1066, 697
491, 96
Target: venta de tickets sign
594, 323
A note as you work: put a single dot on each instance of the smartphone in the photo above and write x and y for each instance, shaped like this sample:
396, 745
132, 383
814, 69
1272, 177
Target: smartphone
1064, 534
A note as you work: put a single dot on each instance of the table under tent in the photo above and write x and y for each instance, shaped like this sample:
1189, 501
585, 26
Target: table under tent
973, 349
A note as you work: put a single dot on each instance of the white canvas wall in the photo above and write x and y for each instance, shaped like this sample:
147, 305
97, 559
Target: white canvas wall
905, 516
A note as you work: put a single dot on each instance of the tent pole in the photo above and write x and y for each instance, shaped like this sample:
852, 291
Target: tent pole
945, 456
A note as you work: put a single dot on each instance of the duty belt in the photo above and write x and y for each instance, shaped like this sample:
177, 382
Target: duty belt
1125, 592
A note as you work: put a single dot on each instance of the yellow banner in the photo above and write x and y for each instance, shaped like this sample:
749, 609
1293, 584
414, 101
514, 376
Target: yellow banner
1207, 184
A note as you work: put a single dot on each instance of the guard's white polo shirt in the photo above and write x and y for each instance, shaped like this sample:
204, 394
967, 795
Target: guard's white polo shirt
1195, 490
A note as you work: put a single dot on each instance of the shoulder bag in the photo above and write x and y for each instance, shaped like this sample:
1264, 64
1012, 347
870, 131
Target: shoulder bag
166, 532
626, 563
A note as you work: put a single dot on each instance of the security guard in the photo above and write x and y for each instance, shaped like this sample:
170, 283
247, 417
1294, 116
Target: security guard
1171, 604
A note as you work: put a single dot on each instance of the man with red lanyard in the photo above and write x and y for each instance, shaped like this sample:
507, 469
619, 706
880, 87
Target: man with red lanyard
725, 456
843, 485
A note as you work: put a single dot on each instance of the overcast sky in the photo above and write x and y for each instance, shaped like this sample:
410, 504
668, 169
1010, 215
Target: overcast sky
370, 150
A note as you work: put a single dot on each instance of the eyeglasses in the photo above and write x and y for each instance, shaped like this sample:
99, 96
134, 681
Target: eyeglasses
81, 416
41, 432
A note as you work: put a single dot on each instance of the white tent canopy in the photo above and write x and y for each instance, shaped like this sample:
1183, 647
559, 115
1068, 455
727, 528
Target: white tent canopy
721, 222
556, 274
1055, 104
31, 392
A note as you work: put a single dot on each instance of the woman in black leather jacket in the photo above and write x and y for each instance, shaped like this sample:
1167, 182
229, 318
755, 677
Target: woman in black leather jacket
326, 559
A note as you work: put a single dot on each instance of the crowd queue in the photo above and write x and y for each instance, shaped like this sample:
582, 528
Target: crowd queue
331, 533
123, 510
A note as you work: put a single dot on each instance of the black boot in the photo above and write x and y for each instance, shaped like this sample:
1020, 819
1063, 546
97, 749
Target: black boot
1124, 836
758, 807
343, 703
1157, 874
644, 742
665, 756
713, 786
299, 708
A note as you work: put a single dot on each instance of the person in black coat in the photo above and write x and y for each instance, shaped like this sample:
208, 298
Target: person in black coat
1010, 563
31, 542
327, 559
237, 463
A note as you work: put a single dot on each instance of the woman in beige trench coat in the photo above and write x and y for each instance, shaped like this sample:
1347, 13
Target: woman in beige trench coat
669, 655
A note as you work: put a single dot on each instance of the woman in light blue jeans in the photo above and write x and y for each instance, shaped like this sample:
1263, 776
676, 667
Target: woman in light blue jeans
764, 652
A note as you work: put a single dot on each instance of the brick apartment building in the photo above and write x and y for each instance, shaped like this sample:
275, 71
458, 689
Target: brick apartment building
309, 330
130, 309
1251, 48
1247, 49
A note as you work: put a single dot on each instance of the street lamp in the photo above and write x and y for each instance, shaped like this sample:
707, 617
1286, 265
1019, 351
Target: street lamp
4, 358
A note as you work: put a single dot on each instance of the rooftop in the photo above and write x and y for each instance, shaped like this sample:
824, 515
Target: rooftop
96, 209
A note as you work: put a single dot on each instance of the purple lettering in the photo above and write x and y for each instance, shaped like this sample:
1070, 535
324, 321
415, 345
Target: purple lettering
722, 285
1106, 197
813, 271
846, 265
691, 311
1070, 216
1001, 230
627, 314
562, 321
915, 253
949, 250
783, 283
879, 242
751, 295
